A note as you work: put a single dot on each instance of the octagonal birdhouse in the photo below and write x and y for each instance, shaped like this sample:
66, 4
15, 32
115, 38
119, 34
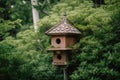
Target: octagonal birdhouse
64, 35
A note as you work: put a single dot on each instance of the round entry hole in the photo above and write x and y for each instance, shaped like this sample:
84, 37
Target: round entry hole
58, 41
59, 57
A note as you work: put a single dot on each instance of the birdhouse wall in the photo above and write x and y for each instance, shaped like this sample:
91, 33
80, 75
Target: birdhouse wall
60, 58
62, 41
58, 41
70, 40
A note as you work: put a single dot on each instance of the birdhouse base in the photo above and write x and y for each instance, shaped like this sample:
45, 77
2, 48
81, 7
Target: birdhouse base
59, 63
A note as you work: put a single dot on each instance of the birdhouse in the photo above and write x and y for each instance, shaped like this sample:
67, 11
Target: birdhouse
63, 37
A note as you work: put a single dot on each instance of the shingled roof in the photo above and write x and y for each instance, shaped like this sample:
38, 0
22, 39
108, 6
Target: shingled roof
64, 28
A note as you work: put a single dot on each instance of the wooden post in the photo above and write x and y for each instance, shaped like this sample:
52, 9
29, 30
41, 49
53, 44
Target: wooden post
65, 73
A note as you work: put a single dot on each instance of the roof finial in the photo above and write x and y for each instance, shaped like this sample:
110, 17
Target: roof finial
65, 14
65, 17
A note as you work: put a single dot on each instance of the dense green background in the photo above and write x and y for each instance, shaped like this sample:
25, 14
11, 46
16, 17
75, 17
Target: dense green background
23, 54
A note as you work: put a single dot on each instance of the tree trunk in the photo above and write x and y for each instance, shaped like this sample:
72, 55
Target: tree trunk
35, 14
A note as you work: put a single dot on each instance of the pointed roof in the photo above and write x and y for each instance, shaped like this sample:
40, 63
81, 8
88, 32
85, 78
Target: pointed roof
64, 28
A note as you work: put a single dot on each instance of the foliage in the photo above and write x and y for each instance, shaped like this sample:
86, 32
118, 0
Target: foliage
9, 28
21, 9
25, 57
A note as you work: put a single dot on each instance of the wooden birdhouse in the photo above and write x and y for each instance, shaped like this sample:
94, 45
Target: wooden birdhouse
64, 36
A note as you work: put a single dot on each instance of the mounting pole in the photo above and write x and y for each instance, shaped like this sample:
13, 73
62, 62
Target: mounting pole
65, 74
